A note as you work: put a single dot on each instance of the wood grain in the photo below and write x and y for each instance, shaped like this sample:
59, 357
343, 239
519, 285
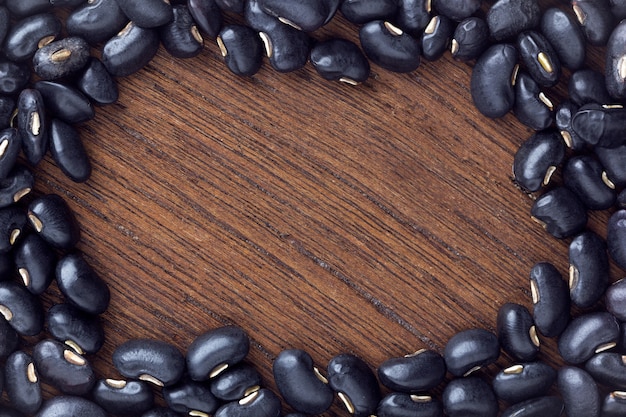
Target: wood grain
375, 220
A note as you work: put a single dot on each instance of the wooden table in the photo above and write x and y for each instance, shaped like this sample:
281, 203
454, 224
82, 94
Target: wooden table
377, 220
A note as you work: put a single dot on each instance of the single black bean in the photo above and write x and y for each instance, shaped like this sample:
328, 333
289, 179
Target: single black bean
614, 404
491, 84
22, 383
536, 407
10, 146
517, 333
508, 18
588, 334
340, 60
595, 18
522, 382
413, 15
537, 159
149, 360
363, 11
418, 372
588, 269
355, 384
122, 397
613, 161
588, 86
406, 405
470, 39
241, 48
550, 299
615, 68
214, 351
470, 350
63, 368
29, 34
7, 106
160, 412
81, 285
616, 299
18, 183
307, 15
12, 223
616, 237
53, 219
207, 15
584, 176
35, 261
97, 84
565, 112
532, 107
181, 37
389, 47
602, 127
70, 406
96, 21
65, 102
9, 339
560, 212
436, 38
457, 9
81, 331
130, 50
61, 58
13, 76
21, 309
539, 57
191, 398
579, 392
31, 124
22, 8
147, 13
608, 368
235, 382
469, 397
261, 403
235, 6
565, 36
68, 151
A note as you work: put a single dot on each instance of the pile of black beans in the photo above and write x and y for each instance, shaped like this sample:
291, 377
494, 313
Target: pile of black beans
519, 50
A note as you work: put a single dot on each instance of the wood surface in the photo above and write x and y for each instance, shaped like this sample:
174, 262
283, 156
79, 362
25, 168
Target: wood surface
377, 220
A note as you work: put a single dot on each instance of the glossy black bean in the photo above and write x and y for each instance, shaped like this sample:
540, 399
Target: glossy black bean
613, 161
7, 106
63, 368
560, 212
522, 382
565, 36
340, 60
235, 382
413, 15
81, 285
31, 124
584, 176
21, 309
588, 334
122, 397
147, 13
614, 404
537, 159
602, 127
508, 18
595, 19
540, 59
191, 398
536, 407
470, 39
307, 15
53, 219
13, 76
160, 412
96, 21
457, 9
532, 107
616, 237
615, 68
588, 269
97, 84
10, 146
564, 114
9, 339
261, 403
18, 183
12, 223
588, 86
436, 38
469, 397
389, 47
579, 392
68, 151
149, 360
517, 333
22, 8
470, 350
491, 84
130, 50
355, 384
550, 299
235, 6
61, 58
77, 329
608, 368
70, 406
22, 383
616, 299
214, 351
241, 48
207, 15
406, 405
418, 372
35, 261
363, 11
181, 37
26, 36
65, 102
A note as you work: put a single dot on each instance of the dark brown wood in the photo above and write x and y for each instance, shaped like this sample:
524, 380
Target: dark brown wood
378, 219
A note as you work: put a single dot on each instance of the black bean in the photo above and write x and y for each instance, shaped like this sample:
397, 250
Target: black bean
7, 106
207, 15
536, 407
181, 37
469, 397
130, 50
31, 124
70, 406
241, 48
418, 372
123, 397
550, 299
616, 238
616, 299
68, 151
54, 221
235, 382
261, 403
96, 21
584, 176
614, 162
355, 383
532, 107
565, 36
522, 382
160, 412
149, 360
508, 18
363, 11
413, 15
537, 159
97, 84
340, 60
61, 58
614, 404
615, 69
560, 212
603, 127
81, 285
77, 329
214, 351
539, 57
491, 85
147, 13
235, 6
588, 86
588, 334
517, 333
389, 47
21, 309
307, 15
618, 7
22, 383
470, 350
190, 397
12, 223
9, 339
63, 368
406, 405
470, 39
457, 9
65, 102
595, 18
588, 269
18, 183
26, 36
35, 261
579, 392
10, 146
436, 38
13, 76
565, 112
608, 368
22, 8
